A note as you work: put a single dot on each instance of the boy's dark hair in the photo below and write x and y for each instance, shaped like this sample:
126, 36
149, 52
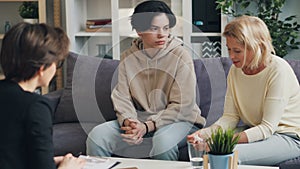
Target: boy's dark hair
26, 47
145, 12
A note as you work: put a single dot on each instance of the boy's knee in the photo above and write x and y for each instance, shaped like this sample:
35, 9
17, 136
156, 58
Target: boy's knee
171, 154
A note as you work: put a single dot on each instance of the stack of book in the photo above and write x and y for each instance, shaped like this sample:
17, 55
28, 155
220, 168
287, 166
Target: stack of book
98, 25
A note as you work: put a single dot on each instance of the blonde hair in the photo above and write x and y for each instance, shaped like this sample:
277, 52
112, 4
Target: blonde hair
254, 35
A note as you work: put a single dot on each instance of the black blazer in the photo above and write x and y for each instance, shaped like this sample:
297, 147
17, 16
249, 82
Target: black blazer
25, 128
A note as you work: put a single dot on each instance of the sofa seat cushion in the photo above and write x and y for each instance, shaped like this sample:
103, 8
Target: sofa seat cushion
70, 137
290, 164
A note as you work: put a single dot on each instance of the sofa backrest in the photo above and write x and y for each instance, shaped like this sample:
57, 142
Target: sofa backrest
90, 81
86, 96
211, 74
295, 64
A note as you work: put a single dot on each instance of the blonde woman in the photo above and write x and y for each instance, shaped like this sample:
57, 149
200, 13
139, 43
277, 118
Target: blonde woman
263, 92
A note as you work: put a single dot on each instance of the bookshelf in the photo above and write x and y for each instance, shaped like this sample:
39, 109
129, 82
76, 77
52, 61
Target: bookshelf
10, 7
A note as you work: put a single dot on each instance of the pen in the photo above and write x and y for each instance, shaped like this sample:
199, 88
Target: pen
116, 163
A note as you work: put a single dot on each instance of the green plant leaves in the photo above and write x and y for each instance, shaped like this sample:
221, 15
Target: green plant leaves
29, 10
222, 142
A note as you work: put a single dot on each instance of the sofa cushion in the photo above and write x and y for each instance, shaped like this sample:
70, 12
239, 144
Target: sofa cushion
295, 64
86, 97
211, 74
54, 98
70, 137
290, 164
65, 109
106, 79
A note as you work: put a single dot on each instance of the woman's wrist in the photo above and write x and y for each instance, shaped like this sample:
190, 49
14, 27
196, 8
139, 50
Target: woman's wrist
243, 137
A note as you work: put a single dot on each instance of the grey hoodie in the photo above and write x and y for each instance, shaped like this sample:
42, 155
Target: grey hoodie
161, 88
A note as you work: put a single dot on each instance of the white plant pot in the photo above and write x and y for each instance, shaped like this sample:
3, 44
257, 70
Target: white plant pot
30, 20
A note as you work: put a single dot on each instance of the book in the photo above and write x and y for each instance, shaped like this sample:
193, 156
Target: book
99, 26
98, 21
102, 29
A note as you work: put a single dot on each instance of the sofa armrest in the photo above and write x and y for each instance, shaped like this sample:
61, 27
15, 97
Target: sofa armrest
54, 98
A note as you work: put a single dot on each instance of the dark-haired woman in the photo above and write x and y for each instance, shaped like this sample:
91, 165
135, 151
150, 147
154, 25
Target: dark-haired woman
29, 57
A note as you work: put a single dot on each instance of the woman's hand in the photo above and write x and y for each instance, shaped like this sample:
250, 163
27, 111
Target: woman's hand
69, 162
134, 131
195, 137
243, 137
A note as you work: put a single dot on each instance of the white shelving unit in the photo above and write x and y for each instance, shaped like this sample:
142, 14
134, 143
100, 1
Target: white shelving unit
78, 11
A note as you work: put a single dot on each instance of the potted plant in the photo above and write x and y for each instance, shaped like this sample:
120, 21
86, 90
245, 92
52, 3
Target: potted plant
29, 11
284, 32
221, 145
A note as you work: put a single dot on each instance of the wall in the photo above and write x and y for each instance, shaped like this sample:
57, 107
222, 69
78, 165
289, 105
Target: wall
292, 8
9, 12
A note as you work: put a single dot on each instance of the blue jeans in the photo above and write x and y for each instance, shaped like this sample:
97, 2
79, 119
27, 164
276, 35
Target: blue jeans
164, 144
275, 149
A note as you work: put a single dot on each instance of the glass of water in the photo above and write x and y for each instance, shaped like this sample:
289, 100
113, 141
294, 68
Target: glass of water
196, 152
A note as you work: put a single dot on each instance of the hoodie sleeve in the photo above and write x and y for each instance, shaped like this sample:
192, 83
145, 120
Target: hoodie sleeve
182, 97
121, 97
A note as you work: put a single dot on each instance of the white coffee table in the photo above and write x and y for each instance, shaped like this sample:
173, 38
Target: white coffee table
161, 164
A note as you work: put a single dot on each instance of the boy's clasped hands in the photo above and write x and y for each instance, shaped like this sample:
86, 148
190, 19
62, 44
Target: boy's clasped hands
134, 130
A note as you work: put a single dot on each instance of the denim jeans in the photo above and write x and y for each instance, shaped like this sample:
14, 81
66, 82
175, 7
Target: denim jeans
275, 149
105, 140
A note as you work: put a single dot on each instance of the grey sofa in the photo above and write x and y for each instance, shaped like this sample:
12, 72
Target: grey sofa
85, 100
